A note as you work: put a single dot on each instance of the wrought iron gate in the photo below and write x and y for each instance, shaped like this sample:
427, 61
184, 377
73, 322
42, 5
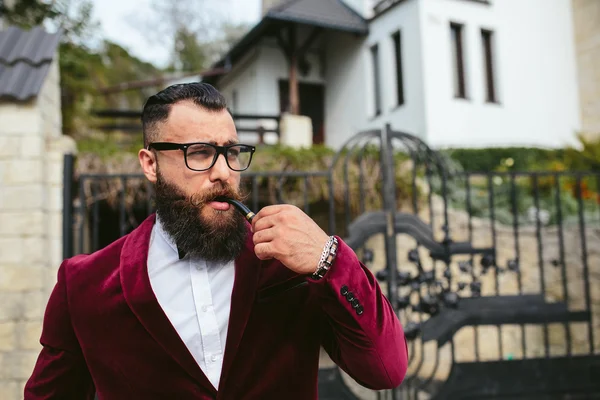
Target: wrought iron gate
495, 276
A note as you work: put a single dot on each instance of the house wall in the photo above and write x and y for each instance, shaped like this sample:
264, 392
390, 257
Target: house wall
243, 81
31, 148
344, 94
255, 80
535, 70
273, 67
350, 104
409, 117
586, 17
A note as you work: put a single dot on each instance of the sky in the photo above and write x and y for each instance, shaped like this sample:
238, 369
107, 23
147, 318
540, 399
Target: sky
120, 23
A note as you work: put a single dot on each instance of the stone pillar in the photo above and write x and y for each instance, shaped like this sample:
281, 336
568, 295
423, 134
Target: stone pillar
31, 148
586, 21
295, 131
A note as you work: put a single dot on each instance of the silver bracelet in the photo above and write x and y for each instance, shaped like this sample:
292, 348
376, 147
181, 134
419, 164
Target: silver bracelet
327, 257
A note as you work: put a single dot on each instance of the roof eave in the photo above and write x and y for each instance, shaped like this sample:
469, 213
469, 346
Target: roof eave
256, 32
306, 21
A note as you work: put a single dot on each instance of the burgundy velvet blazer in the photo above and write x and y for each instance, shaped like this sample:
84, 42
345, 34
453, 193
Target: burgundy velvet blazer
105, 332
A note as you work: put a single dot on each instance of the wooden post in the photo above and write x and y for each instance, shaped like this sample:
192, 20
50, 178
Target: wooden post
293, 61
294, 53
261, 134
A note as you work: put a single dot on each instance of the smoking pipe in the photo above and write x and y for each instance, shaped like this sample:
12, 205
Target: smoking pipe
246, 212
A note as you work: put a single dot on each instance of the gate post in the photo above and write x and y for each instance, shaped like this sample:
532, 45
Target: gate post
67, 221
389, 206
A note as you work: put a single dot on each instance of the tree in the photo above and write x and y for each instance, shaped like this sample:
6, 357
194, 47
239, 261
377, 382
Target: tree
228, 35
26, 13
196, 31
73, 20
82, 70
188, 54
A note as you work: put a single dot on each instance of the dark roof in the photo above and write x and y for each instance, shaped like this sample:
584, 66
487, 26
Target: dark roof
25, 57
328, 14
332, 14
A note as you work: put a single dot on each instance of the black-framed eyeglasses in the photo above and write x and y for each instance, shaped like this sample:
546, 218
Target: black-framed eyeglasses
201, 156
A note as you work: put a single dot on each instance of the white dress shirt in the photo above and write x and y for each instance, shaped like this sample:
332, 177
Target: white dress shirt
195, 296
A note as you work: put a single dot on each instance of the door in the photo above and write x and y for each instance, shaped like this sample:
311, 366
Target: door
312, 105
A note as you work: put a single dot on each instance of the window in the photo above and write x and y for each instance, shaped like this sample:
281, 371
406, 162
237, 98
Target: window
456, 31
397, 38
376, 79
488, 62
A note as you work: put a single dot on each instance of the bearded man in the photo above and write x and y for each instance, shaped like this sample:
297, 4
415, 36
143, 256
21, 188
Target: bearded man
197, 303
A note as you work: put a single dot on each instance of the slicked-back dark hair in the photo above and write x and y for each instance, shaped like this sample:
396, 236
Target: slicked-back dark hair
158, 106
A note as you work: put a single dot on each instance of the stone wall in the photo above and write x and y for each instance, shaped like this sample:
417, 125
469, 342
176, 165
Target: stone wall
31, 151
586, 20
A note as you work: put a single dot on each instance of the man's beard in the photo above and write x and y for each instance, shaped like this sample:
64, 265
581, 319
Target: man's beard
217, 238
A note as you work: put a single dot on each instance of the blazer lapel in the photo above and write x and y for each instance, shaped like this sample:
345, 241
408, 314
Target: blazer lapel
247, 272
142, 301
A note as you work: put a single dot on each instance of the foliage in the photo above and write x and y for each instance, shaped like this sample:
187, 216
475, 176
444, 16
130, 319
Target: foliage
25, 13
490, 159
109, 147
521, 200
195, 32
587, 157
82, 70
584, 157
189, 54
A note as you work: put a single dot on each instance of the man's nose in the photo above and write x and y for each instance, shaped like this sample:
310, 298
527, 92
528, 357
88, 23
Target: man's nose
220, 171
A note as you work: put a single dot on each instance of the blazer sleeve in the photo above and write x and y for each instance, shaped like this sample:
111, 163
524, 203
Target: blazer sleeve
60, 371
360, 330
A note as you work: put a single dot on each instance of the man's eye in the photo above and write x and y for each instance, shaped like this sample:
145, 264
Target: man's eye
199, 152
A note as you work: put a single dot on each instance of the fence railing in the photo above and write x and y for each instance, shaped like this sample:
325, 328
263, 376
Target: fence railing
259, 125
255, 124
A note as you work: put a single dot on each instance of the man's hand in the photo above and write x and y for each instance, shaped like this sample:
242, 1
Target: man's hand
287, 234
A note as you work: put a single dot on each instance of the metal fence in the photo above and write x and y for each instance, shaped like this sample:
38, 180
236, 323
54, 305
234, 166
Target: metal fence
257, 126
495, 276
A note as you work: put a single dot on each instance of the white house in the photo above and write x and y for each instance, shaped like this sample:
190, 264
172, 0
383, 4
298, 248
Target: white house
466, 73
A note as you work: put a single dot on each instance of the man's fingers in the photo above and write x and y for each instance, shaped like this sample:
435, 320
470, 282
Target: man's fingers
263, 236
270, 210
262, 223
266, 212
264, 251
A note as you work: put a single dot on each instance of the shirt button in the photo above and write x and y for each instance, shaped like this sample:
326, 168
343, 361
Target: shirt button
213, 358
204, 308
198, 267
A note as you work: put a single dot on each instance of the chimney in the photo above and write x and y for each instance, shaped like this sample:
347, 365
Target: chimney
268, 4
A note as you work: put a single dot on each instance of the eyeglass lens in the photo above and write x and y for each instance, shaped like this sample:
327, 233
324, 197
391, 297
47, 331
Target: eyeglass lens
201, 156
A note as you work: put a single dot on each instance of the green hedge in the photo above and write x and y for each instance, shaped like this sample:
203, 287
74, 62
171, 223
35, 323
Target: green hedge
490, 159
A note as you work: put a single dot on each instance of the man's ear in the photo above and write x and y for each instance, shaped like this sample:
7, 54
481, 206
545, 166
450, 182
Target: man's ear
148, 163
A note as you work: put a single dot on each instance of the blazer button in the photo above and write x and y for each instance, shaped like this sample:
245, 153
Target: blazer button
350, 297
344, 290
359, 310
355, 303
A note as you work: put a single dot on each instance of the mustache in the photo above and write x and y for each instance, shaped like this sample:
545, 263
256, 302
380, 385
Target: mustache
223, 190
